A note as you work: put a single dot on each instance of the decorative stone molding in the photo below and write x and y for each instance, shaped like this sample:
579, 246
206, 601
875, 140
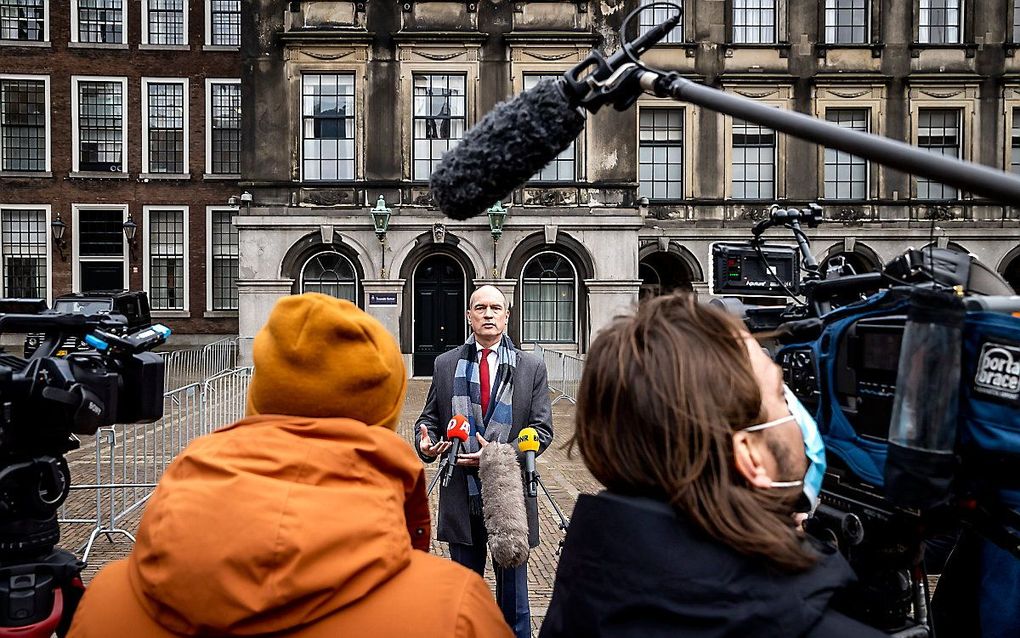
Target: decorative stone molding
550, 57
941, 95
849, 94
439, 57
339, 55
438, 233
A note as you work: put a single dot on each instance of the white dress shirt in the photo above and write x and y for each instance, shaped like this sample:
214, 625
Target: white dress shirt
493, 359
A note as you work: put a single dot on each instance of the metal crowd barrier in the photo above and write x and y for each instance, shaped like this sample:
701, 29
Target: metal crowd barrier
184, 367
564, 372
130, 459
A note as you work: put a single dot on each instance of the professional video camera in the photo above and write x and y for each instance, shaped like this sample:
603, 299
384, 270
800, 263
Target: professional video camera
913, 374
45, 401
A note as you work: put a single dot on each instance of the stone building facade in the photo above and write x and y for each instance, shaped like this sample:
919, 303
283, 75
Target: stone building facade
345, 103
121, 116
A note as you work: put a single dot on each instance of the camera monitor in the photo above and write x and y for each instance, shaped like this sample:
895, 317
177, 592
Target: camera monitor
738, 270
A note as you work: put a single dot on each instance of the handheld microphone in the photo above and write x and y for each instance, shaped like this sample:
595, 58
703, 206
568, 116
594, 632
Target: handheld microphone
457, 430
519, 137
527, 442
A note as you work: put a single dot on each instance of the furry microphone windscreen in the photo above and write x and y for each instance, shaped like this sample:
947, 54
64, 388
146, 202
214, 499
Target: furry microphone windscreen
513, 141
506, 519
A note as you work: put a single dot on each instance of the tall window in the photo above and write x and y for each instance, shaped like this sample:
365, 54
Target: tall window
99, 113
661, 153
165, 132
166, 22
846, 21
939, 22
223, 116
23, 120
1016, 20
654, 17
1014, 162
23, 248
846, 175
166, 240
439, 119
549, 294
100, 21
562, 166
223, 252
101, 248
938, 131
327, 108
224, 26
754, 21
330, 273
23, 20
754, 161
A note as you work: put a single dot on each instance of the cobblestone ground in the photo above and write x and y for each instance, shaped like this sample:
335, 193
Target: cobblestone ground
565, 478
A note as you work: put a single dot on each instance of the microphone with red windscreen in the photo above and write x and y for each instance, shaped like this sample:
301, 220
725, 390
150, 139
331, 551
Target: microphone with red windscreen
457, 431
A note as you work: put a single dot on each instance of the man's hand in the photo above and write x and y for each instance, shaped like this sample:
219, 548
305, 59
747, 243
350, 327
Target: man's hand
472, 459
427, 447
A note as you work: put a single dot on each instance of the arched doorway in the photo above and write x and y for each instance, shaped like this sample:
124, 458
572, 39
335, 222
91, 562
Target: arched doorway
1011, 273
847, 263
439, 305
662, 273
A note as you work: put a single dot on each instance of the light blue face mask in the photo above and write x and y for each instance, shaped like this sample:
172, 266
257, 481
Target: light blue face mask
814, 447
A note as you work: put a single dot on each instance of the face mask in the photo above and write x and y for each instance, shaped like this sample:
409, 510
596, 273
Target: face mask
814, 447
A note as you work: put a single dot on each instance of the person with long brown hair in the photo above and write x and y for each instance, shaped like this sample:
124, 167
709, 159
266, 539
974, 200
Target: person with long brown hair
687, 423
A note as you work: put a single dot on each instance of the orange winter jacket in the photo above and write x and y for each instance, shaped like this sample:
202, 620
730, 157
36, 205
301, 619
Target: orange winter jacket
293, 527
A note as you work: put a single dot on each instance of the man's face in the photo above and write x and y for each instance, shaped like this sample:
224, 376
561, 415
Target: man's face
785, 442
487, 314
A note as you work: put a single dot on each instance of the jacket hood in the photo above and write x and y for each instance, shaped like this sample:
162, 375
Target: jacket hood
275, 522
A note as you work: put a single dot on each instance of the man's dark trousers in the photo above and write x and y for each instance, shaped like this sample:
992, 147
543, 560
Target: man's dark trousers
511, 582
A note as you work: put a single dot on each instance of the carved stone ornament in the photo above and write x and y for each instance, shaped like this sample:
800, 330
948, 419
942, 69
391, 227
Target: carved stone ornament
849, 94
438, 233
423, 199
327, 197
849, 216
941, 95
756, 94
543, 198
439, 56
328, 56
754, 214
549, 57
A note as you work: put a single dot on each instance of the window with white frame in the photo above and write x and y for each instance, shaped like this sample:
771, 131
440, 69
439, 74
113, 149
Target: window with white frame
224, 22
440, 107
24, 120
330, 273
223, 255
166, 241
1014, 162
99, 21
223, 117
939, 22
165, 22
562, 167
23, 233
754, 21
100, 126
100, 244
846, 21
164, 125
327, 110
938, 131
650, 18
549, 299
846, 175
661, 153
23, 20
754, 161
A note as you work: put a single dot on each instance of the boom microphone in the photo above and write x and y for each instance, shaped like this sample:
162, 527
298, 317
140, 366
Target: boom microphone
521, 136
528, 442
507, 147
457, 430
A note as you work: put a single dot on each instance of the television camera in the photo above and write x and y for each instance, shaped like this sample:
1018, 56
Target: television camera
45, 402
913, 374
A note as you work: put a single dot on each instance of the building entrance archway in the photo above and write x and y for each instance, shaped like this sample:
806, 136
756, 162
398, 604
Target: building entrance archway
439, 302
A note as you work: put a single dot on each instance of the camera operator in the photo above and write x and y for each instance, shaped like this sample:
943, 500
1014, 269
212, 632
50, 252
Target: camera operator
705, 456
303, 519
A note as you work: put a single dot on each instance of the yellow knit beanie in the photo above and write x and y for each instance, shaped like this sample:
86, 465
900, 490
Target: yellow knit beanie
319, 356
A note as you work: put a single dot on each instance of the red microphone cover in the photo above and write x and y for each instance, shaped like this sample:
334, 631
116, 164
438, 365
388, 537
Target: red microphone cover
458, 428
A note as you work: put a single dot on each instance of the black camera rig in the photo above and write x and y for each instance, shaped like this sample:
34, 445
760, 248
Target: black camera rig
45, 401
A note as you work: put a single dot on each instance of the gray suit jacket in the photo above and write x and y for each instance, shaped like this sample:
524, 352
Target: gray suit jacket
531, 408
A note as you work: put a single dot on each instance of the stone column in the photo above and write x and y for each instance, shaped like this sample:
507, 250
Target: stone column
255, 300
607, 299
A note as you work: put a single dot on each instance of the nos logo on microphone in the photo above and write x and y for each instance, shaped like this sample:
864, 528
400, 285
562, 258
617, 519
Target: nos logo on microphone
998, 371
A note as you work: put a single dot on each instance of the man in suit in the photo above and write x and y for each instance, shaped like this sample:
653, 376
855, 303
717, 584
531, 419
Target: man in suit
501, 390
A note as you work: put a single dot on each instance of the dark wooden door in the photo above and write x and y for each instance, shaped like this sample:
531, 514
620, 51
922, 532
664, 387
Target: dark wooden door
439, 305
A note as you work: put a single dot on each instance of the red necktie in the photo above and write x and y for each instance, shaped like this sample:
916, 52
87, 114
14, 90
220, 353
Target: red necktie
483, 374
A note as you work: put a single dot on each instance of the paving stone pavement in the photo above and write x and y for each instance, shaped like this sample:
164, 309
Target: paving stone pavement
565, 478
